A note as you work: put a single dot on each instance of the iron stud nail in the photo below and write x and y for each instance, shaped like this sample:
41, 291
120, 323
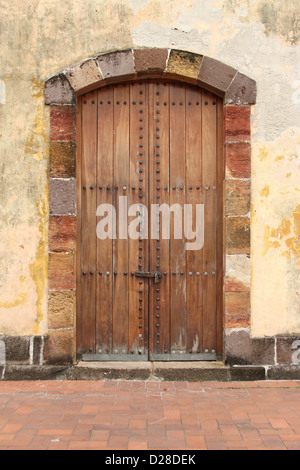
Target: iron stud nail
84, 187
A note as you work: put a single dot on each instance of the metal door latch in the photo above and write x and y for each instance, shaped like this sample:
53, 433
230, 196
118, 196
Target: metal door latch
156, 275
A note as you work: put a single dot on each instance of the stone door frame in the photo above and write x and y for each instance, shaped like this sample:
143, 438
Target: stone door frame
61, 91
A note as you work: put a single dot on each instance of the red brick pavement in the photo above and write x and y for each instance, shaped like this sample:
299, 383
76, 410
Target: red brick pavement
121, 415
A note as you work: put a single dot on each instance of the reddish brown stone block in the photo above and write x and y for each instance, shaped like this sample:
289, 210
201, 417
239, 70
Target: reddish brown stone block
237, 309
61, 271
237, 197
149, 60
60, 346
63, 123
238, 160
62, 233
237, 123
62, 159
237, 235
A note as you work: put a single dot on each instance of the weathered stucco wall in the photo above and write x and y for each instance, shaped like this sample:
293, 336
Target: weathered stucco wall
258, 37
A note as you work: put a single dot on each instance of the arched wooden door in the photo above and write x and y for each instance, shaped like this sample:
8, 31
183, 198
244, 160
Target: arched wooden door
148, 143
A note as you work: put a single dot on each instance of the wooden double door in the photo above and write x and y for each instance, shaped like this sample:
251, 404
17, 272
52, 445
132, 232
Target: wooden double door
144, 295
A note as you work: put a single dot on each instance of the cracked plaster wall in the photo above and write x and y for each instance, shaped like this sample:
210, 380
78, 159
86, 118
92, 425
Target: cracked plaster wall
259, 38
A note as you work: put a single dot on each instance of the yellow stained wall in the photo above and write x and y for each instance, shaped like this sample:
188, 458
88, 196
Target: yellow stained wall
42, 37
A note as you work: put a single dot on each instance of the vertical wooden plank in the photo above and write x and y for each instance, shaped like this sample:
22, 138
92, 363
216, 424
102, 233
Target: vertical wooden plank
209, 149
88, 220
220, 225
178, 311
78, 230
194, 259
152, 243
120, 246
159, 178
138, 196
104, 196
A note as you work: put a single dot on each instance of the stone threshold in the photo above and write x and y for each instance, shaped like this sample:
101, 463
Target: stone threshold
150, 371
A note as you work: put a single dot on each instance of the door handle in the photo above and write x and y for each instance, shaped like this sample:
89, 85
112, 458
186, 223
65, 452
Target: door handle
156, 275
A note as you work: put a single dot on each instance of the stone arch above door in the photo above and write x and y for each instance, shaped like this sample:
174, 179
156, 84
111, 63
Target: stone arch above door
238, 92
211, 74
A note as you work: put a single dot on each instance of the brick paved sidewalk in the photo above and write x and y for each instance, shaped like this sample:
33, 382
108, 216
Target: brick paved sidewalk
149, 415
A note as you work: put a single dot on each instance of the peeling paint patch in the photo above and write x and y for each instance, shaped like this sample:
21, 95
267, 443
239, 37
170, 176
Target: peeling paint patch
265, 192
263, 153
286, 237
278, 17
39, 268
